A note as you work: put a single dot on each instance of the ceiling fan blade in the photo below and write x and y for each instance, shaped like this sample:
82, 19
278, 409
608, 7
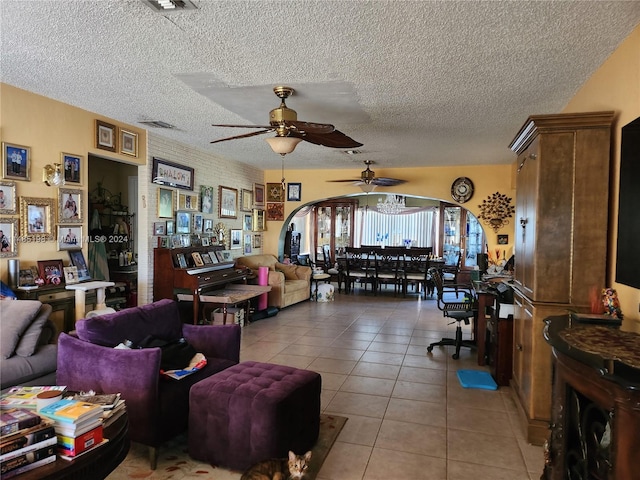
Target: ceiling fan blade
252, 134
345, 180
387, 182
335, 139
309, 127
242, 126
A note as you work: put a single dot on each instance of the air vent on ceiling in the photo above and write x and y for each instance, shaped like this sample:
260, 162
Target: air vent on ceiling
169, 6
157, 124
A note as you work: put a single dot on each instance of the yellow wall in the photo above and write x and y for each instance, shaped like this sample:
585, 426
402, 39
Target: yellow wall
616, 86
49, 128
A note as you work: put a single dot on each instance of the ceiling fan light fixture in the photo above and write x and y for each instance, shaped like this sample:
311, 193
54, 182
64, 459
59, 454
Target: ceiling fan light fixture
283, 145
367, 187
52, 175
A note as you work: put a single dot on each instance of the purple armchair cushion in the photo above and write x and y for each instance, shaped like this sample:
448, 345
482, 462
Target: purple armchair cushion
161, 319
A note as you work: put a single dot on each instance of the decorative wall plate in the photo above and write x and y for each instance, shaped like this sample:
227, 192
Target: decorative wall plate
462, 189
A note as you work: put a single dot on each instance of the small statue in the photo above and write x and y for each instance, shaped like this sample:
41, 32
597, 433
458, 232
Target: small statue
611, 303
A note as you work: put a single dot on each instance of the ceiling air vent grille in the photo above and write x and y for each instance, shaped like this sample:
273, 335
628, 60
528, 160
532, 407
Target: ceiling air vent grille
169, 6
157, 124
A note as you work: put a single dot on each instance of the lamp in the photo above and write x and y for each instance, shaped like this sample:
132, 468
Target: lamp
367, 187
392, 205
283, 145
52, 175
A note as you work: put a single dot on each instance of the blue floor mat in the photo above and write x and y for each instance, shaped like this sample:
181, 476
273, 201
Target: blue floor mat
476, 379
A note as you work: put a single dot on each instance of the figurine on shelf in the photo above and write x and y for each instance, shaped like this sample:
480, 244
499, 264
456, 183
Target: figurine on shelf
611, 303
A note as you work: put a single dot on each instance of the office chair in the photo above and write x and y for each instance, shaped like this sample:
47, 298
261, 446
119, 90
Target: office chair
458, 311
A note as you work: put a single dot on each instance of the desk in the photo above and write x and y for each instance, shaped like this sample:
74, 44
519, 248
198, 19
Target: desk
233, 294
485, 299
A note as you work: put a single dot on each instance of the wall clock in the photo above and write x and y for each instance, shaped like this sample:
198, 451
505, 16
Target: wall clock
462, 189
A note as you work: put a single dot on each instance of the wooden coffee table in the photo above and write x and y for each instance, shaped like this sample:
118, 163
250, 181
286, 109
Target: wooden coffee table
95, 464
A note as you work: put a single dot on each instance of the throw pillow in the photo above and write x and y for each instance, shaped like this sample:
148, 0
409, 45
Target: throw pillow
29, 340
16, 317
290, 272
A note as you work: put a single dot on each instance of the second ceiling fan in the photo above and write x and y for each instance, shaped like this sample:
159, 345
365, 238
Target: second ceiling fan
290, 131
368, 177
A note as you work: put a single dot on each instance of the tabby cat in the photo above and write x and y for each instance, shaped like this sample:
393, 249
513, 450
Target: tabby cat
292, 468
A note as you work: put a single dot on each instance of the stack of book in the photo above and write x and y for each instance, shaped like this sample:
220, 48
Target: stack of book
113, 406
78, 426
25, 397
27, 442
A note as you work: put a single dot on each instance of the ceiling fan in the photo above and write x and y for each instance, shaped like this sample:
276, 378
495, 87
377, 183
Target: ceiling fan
368, 178
289, 131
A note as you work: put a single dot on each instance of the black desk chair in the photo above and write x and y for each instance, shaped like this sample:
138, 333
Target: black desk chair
458, 311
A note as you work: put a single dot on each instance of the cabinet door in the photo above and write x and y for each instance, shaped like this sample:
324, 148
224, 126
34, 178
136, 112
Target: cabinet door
525, 234
522, 325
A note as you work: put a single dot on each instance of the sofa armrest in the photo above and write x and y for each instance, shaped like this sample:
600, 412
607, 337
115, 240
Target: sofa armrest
86, 366
276, 278
303, 273
218, 341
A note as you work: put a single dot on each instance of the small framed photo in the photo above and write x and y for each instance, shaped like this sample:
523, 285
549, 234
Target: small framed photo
72, 167
8, 237
71, 275
228, 202
224, 255
258, 195
187, 201
170, 227
257, 241
69, 237
198, 221
275, 211
248, 222
69, 205
171, 174
159, 228
206, 199
36, 218
27, 277
77, 259
206, 241
105, 136
207, 225
181, 260
197, 259
247, 200
51, 271
183, 222
258, 220
7, 197
503, 239
16, 161
275, 192
247, 243
236, 239
294, 192
128, 143
166, 199
213, 256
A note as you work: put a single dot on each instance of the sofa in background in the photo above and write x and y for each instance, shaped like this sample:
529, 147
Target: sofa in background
289, 283
158, 407
28, 349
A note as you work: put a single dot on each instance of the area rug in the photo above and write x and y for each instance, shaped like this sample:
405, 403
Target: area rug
174, 462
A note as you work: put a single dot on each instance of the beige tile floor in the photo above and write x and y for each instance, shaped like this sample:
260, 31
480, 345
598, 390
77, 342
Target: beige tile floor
409, 418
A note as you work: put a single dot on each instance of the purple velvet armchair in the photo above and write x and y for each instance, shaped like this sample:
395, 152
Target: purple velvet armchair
158, 407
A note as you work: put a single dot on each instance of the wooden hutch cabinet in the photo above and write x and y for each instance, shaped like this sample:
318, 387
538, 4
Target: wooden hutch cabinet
562, 206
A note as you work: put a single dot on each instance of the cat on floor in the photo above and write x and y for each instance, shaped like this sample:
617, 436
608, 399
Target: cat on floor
292, 468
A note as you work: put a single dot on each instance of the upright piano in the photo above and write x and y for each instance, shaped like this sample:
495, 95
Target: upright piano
172, 276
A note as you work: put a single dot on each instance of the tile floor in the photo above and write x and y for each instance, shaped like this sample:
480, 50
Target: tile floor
409, 418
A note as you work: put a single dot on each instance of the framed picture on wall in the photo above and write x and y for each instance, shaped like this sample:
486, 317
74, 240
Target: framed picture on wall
247, 200
105, 136
236, 238
69, 237
294, 192
69, 205
16, 161
183, 222
72, 165
275, 193
7, 197
187, 201
8, 237
206, 199
258, 220
258, 195
503, 239
172, 174
36, 218
228, 202
275, 211
248, 222
128, 143
257, 241
166, 197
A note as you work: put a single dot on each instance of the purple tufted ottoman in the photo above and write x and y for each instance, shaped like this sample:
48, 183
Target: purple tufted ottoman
253, 411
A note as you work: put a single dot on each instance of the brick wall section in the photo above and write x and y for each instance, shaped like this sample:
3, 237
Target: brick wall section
209, 169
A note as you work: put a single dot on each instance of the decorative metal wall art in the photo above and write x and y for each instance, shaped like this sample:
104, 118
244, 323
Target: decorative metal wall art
495, 210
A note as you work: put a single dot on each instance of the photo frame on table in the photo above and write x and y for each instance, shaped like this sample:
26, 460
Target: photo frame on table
159, 228
257, 241
69, 205
73, 165
36, 218
224, 255
228, 201
51, 271
206, 242
166, 199
69, 237
258, 220
171, 174
105, 136
128, 143
170, 227
71, 275
248, 222
7, 197
275, 192
236, 239
247, 200
275, 211
77, 259
206, 199
27, 277
503, 239
188, 201
8, 237
294, 192
16, 161
213, 256
258, 195
183, 222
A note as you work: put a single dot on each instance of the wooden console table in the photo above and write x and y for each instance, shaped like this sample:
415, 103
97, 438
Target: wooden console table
595, 426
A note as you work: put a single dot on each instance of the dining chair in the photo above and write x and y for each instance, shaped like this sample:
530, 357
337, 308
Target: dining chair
416, 272
389, 263
358, 268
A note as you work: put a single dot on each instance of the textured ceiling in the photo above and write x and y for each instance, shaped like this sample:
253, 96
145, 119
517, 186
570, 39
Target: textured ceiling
419, 83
